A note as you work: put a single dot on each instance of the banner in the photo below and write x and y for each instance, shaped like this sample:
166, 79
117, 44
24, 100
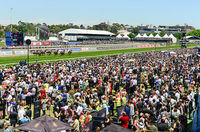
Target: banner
6, 52
75, 49
92, 48
20, 52
84, 49
46, 43
35, 43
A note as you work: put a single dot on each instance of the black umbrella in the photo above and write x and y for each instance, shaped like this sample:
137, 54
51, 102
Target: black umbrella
44, 124
115, 128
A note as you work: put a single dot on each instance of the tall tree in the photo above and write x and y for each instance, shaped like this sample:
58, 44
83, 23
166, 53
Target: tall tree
178, 35
194, 33
162, 33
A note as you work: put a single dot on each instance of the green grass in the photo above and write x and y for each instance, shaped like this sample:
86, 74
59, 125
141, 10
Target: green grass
2, 44
33, 58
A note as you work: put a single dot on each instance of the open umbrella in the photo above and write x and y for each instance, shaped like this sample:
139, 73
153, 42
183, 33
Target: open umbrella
196, 48
44, 124
115, 128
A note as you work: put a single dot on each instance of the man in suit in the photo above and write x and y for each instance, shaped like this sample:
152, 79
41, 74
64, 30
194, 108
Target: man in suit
13, 118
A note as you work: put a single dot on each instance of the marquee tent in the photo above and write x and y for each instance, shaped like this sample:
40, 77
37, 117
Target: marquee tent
151, 36
145, 36
157, 36
139, 36
174, 39
165, 36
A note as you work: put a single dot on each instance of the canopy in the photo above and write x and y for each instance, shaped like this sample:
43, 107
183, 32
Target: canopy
151, 36
174, 39
138, 36
165, 36
157, 36
113, 127
145, 35
44, 124
196, 48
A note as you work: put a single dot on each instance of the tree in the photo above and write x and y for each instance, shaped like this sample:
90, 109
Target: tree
135, 30
116, 27
154, 34
148, 33
131, 35
162, 33
178, 35
82, 27
195, 33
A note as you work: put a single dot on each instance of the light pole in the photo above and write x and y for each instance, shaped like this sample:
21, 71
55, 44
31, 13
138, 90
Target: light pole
11, 19
28, 43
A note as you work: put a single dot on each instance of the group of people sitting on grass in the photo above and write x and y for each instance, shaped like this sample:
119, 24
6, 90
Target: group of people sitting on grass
158, 91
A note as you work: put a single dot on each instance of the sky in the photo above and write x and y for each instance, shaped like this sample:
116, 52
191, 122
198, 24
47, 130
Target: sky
90, 12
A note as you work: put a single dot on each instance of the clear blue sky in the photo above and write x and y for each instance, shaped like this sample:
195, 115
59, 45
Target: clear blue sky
89, 12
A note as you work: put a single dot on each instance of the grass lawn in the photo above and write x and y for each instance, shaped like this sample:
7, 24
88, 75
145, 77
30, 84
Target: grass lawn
76, 55
2, 44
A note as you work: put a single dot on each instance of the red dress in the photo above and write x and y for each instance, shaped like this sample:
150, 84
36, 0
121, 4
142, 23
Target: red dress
124, 121
43, 93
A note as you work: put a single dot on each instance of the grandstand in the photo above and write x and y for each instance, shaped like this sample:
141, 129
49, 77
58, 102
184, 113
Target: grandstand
83, 34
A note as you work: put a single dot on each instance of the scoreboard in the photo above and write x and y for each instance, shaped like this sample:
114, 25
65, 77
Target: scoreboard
14, 38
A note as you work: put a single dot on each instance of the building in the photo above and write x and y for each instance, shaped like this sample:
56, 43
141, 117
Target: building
145, 29
83, 34
175, 29
168, 29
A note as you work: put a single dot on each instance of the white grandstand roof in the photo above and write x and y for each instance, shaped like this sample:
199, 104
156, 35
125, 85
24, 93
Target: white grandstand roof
85, 31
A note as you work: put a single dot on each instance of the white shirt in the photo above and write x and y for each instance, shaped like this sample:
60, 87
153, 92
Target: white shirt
79, 110
21, 114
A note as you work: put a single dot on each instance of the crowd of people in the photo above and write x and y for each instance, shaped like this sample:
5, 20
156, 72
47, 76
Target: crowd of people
158, 90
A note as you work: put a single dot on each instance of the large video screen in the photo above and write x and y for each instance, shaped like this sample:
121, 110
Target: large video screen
42, 33
14, 38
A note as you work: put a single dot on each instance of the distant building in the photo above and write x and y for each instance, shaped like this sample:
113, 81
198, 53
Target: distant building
175, 29
168, 29
145, 29
83, 34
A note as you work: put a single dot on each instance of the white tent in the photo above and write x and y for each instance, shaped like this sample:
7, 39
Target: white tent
174, 39
122, 36
119, 36
53, 39
32, 38
126, 36
145, 36
165, 36
139, 36
157, 36
151, 36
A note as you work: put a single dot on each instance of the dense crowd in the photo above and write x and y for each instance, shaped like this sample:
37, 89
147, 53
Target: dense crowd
158, 90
